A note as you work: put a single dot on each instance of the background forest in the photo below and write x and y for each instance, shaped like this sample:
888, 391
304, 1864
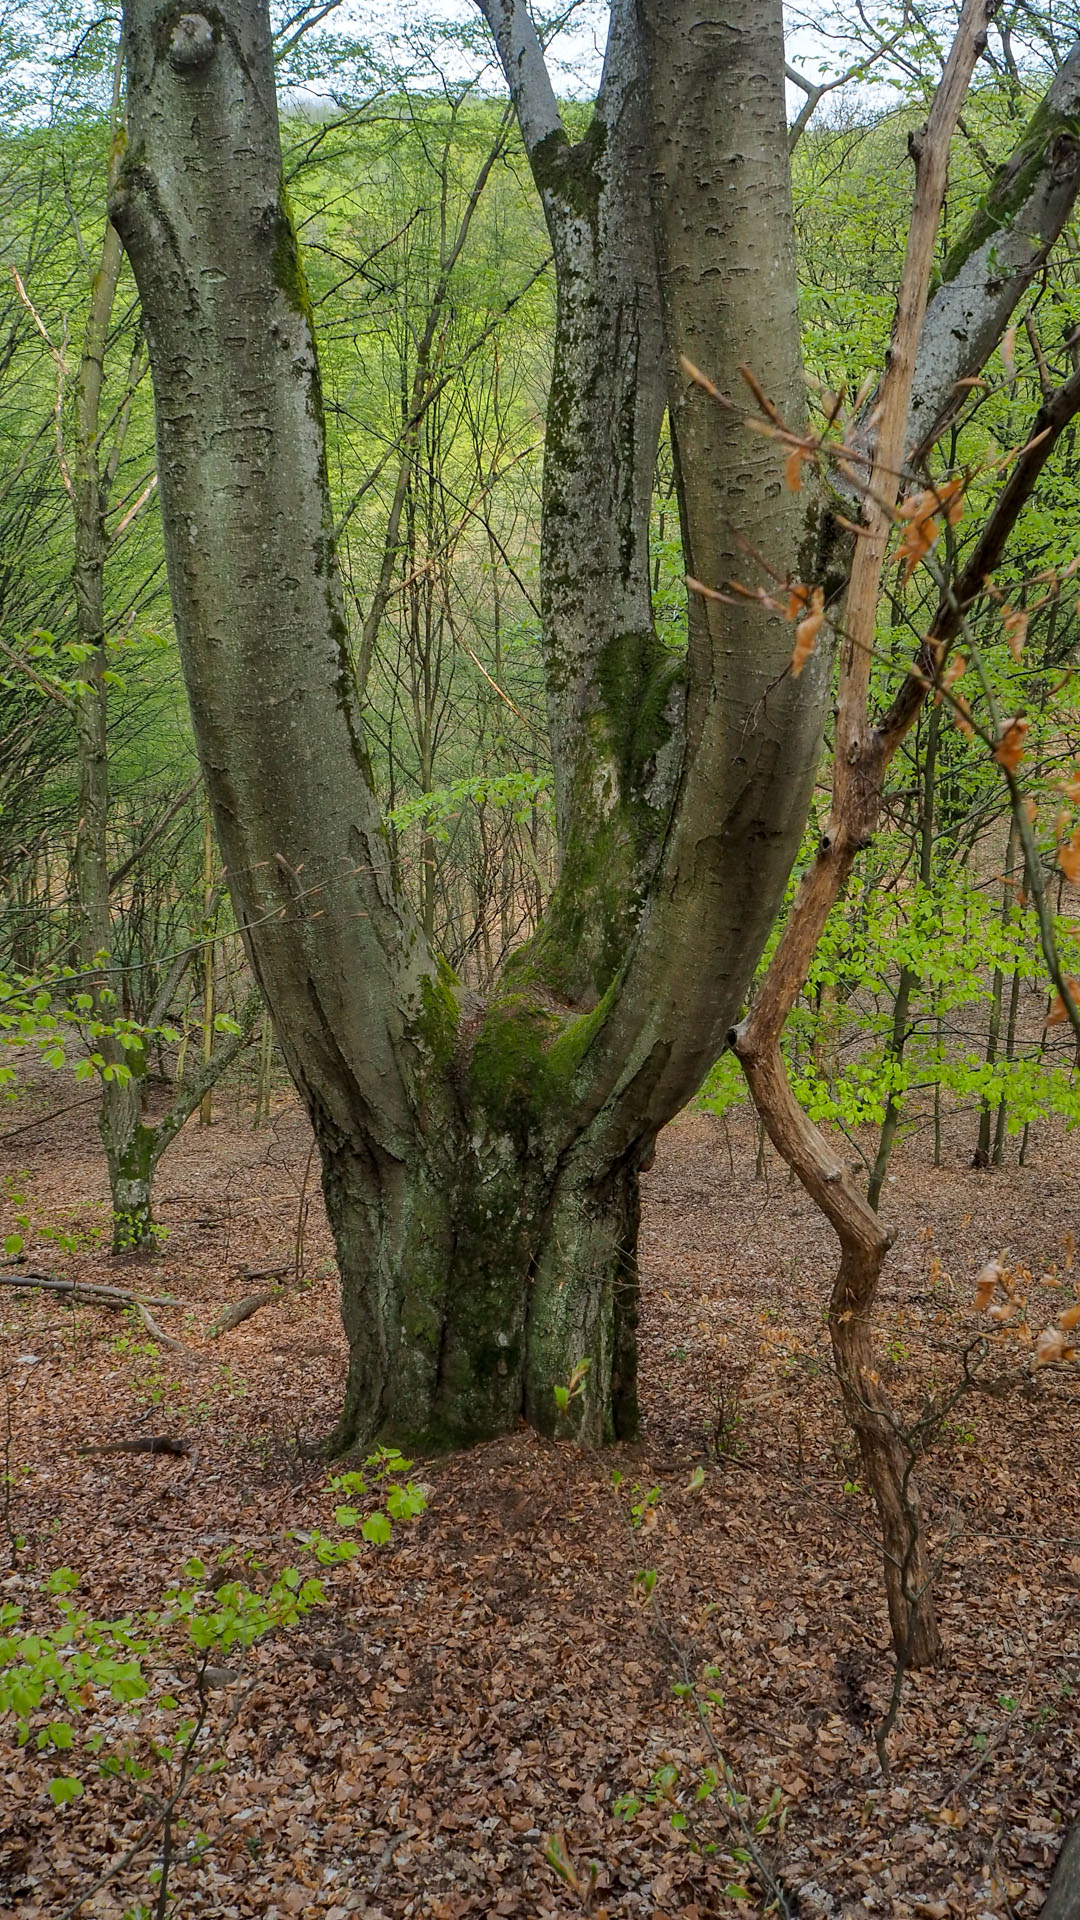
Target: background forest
936, 1034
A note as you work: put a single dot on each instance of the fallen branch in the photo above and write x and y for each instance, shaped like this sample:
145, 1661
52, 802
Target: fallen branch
152, 1328
145, 1443
242, 1310
88, 1292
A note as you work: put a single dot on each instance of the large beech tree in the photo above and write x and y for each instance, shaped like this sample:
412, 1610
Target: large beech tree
481, 1160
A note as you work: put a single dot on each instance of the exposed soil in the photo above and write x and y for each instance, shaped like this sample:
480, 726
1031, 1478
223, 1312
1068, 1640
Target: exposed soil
480, 1693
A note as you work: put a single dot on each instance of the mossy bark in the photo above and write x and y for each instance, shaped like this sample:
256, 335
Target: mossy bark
998, 256
131, 1159
615, 694
471, 1291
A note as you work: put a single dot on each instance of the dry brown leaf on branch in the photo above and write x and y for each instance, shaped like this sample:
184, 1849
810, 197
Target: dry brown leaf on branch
1010, 747
987, 1281
1068, 858
1016, 626
1058, 1013
759, 394
962, 716
793, 468
1072, 784
702, 380
1070, 1318
1008, 351
807, 631
1052, 1345
708, 593
920, 511
921, 532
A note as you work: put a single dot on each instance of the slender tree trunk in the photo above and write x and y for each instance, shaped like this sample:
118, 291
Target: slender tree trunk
909, 979
982, 1154
263, 1081
206, 1105
997, 1157
864, 1245
122, 1133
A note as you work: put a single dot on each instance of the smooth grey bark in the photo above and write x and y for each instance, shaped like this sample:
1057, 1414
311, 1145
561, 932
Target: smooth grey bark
614, 693
753, 735
994, 262
132, 1146
991, 265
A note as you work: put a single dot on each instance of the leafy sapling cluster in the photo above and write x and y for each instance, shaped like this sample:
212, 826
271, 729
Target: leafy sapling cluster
57, 1674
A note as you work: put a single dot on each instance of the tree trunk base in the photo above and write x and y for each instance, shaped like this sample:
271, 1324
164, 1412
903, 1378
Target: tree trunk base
474, 1305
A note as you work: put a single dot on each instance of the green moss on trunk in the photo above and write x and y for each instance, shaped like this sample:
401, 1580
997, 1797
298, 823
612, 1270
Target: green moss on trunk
1012, 185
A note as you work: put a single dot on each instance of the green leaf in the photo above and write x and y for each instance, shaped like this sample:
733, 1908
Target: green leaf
64, 1789
377, 1529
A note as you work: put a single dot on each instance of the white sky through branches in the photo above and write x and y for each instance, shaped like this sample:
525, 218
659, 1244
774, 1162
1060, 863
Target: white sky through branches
575, 55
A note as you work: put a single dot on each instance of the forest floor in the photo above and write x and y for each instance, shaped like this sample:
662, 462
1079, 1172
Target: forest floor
477, 1696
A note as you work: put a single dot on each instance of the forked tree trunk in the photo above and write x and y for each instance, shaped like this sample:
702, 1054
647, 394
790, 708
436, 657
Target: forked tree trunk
480, 1161
134, 1145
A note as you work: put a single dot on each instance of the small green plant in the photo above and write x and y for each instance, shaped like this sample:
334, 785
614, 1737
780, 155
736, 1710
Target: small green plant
126, 1235
643, 1503
80, 1235
574, 1388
